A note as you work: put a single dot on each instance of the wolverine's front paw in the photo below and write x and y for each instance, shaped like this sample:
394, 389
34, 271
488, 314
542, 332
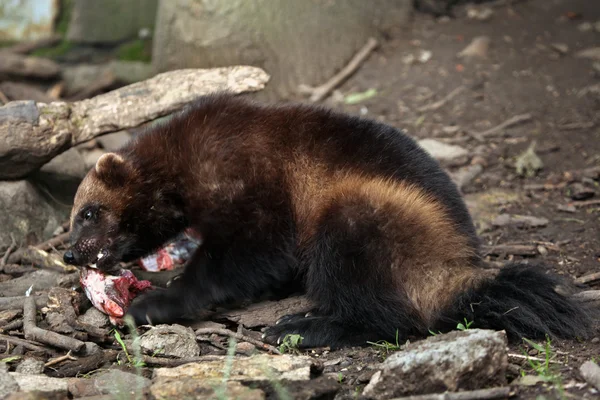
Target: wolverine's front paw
154, 308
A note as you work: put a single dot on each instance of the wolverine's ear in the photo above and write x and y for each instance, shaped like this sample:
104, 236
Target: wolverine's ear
113, 169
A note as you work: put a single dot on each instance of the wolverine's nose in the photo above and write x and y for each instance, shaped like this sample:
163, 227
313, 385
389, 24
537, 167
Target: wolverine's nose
69, 257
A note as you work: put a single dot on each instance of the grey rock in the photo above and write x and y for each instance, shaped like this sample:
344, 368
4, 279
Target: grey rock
120, 384
592, 52
8, 384
79, 77
591, 373
94, 317
30, 366
110, 21
245, 348
170, 340
41, 280
91, 157
190, 388
442, 151
114, 141
89, 349
26, 210
203, 34
468, 360
43, 383
464, 176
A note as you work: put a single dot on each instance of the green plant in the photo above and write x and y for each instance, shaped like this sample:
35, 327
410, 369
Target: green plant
137, 50
220, 391
387, 346
10, 359
290, 343
545, 368
465, 326
340, 377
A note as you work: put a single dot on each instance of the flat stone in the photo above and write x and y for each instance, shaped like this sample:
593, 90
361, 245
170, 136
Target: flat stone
30, 366
244, 369
442, 151
170, 340
120, 384
42, 383
591, 373
94, 317
8, 384
190, 388
468, 360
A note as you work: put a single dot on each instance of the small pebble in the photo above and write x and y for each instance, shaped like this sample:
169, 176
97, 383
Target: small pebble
30, 366
245, 348
595, 340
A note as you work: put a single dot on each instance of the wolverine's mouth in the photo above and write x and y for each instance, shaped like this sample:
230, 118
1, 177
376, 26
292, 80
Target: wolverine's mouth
102, 254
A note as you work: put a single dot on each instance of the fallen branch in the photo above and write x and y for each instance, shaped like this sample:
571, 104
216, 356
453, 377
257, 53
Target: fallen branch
588, 296
175, 362
83, 365
11, 326
17, 65
320, 92
56, 241
39, 132
576, 126
589, 278
11, 248
243, 338
32, 332
517, 119
29, 46
25, 343
483, 394
585, 203
43, 259
515, 249
11, 303
441, 103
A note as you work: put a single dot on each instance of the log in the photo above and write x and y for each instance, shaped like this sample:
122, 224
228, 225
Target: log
29, 46
31, 133
17, 65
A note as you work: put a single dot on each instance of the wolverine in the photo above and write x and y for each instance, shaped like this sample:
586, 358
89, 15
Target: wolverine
351, 211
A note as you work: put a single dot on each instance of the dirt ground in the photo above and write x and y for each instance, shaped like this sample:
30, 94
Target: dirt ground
522, 73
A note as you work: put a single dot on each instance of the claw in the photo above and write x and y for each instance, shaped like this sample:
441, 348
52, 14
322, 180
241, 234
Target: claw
308, 314
264, 335
279, 340
148, 319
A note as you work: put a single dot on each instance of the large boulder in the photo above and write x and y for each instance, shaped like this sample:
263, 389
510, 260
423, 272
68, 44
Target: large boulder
110, 21
296, 42
27, 212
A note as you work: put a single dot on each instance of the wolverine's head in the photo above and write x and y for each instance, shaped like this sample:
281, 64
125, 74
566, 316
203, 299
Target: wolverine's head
98, 232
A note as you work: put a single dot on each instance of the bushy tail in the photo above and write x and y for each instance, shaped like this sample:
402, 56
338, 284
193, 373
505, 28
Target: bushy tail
522, 300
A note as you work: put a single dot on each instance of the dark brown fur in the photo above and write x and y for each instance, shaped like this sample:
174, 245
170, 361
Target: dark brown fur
352, 211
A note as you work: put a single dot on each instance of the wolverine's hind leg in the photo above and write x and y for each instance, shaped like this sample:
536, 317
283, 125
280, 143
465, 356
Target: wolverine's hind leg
350, 280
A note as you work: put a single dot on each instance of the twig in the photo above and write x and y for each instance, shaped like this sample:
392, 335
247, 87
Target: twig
577, 125
320, 92
17, 302
484, 394
83, 365
10, 249
523, 357
60, 359
32, 332
589, 278
585, 203
517, 119
517, 250
588, 296
440, 103
11, 326
45, 260
25, 343
174, 362
244, 338
56, 241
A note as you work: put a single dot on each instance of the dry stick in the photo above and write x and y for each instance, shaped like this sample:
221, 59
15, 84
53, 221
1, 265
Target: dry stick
10, 249
56, 241
25, 343
244, 338
320, 92
11, 326
17, 302
41, 335
517, 250
517, 119
441, 103
589, 278
585, 203
484, 394
174, 362
60, 359
523, 357
588, 296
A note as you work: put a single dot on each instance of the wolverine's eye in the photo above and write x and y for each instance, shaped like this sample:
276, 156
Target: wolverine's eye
88, 215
